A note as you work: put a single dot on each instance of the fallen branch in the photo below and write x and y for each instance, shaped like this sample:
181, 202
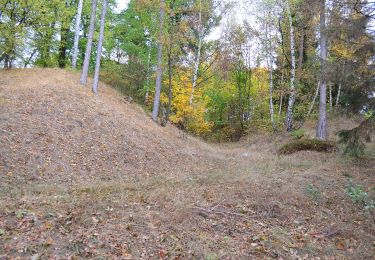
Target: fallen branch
220, 212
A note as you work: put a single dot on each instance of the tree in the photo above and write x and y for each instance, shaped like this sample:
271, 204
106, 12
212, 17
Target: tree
66, 17
159, 70
292, 95
100, 46
321, 130
86, 63
15, 17
198, 54
76, 35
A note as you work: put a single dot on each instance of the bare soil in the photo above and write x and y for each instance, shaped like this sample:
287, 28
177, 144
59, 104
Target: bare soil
85, 177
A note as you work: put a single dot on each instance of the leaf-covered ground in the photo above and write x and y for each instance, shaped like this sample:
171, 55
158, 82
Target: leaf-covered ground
93, 177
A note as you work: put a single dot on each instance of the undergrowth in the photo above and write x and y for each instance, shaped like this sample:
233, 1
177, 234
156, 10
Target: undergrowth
308, 145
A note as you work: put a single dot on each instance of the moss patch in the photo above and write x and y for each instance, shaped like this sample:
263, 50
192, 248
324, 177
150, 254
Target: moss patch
308, 145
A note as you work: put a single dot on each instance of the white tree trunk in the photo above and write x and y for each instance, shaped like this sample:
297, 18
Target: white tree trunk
159, 70
76, 35
148, 72
198, 57
292, 96
100, 47
270, 68
313, 102
86, 62
338, 94
321, 130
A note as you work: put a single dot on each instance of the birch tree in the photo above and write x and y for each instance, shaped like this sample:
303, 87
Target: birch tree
86, 62
159, 70
321, 130
100, 46
269, 59
338, 93
76, 34
292, 96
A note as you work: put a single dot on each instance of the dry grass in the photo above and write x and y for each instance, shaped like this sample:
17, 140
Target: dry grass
92, 177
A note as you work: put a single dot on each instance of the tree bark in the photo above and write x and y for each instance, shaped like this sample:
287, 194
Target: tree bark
148, 73
300, 51
63, 46
338, 94
100, 47
313, 102
270, 68
86, 62
292, 96
281, 104
330, 96
321, 130
271, 98
76, 35
198, 57
159, 70
169, 81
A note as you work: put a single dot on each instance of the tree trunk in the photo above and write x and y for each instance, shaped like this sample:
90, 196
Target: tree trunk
159, 70
300, 51
330, 96
281, 104
27, 62
338, 94
198, 57
100, 46
76, 35
169, 83
292, 96
86, 62
63, 46
321, 130
148, 72
313, 102
270, 68
271, 99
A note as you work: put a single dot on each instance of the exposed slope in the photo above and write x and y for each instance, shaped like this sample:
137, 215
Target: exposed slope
93, 177
54, 127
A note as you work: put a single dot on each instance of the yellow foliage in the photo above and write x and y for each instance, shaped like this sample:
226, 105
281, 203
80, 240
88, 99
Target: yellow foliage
192, 117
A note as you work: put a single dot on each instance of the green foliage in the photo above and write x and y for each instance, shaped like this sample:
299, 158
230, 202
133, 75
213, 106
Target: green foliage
313, 192
211, 256
356, 193
298, 134
359, 196
355, 138
21, 213
308, 145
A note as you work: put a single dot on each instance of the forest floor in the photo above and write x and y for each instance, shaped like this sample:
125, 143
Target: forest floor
93, 177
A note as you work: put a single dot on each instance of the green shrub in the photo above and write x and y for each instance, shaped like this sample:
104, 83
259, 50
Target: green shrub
356, 138
313, 192
308, 145
359, 196
298, 134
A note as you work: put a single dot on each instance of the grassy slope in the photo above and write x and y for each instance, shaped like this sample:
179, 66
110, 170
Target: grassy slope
94, 176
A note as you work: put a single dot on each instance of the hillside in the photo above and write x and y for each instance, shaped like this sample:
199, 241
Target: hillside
88, 177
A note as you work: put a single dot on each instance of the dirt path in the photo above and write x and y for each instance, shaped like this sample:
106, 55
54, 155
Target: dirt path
85, 177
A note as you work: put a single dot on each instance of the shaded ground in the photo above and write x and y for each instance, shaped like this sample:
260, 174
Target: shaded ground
94, 177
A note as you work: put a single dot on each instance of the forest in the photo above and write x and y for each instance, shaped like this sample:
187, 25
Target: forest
265, 72
139, 126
